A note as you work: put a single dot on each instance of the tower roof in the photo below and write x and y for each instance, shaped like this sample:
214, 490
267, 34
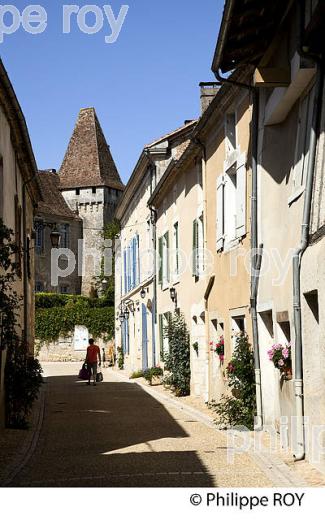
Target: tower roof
88, 161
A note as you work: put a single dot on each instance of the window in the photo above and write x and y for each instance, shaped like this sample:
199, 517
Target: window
77, 192
163, 324
38, 287
39, 237
231, 204
230, 131
65, 236
198, 246
176, 250
131, 260
164, 259
153, 179
238, 327
94, 191
302, 141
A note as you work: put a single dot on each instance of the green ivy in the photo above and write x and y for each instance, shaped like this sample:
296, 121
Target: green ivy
60, 320
177, 360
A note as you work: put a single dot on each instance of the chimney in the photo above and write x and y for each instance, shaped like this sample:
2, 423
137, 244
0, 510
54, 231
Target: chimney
208, 92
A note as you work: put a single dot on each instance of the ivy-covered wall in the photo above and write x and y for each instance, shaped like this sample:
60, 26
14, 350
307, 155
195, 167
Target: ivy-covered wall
57, 315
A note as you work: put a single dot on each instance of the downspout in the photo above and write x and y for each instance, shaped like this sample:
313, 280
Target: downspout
25, 256
299, 251
154, 242
256, 256
207, 321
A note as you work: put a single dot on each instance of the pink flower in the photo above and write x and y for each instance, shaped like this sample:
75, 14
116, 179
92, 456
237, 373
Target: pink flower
285, 353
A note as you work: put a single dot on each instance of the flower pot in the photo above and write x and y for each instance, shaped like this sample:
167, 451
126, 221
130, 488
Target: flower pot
286, 373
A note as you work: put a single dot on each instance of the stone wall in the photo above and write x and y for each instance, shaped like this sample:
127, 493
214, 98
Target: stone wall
63, 350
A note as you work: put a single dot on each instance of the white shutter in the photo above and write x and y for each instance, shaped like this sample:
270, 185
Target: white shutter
241, 200
220, 212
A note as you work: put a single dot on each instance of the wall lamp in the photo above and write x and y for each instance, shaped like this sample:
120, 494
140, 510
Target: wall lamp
173, 295
143, 293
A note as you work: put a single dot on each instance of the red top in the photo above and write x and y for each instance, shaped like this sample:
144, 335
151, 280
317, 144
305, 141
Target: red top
92, 353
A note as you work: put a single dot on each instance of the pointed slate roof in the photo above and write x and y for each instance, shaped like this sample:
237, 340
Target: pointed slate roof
88, 161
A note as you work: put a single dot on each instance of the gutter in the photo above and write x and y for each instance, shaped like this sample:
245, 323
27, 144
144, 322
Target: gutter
299, 251
256, 253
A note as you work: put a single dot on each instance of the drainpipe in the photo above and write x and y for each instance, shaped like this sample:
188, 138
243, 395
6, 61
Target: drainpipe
299, 251
207, 328
25, 256
153, 218
256, 257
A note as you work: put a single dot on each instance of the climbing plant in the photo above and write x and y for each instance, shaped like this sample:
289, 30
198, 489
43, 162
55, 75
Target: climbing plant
238, 408
22, 373
58, 315
177, 359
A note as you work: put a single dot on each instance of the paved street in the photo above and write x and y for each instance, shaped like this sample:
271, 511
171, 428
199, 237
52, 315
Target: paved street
118, 435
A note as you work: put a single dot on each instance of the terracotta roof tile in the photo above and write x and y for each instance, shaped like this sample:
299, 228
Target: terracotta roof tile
88, 160
52, 203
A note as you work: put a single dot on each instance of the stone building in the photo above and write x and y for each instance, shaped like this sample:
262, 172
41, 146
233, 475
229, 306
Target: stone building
19, 193
136, 327
54, 213
286, 56
81, 199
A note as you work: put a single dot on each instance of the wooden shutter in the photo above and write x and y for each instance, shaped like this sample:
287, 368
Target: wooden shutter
161, 260
241, 200
138, 278
125, 272
220, 212
161, 336
195, 247
167, 249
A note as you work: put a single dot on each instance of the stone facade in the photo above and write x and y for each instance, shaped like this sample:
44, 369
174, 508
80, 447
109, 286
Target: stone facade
64, 350
91, 186
19, 193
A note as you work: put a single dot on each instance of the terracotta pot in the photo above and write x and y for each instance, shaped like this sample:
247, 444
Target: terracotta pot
286, 373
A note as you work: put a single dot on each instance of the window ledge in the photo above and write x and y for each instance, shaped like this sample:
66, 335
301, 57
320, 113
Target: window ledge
297, 194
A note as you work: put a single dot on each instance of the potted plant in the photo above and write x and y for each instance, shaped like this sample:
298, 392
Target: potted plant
219, 348
196, 347
280, 355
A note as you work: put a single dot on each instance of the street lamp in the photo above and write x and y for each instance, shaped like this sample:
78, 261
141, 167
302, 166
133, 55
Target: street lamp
55, 237
122, 318
126, 314
143, 293
104, 284
173, 294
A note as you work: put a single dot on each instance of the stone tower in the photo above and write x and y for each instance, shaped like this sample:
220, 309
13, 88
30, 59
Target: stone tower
91, 186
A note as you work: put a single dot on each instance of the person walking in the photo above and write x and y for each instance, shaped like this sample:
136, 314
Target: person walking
92, 359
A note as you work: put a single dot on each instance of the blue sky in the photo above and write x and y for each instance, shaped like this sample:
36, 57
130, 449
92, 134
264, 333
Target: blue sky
142, 86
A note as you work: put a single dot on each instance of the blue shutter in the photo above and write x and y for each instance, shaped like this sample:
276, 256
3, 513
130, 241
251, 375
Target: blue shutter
125, 273
134, 280
127, 337
138, 258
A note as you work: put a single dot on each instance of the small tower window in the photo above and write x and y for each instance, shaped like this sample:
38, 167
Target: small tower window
94, 191
77, 191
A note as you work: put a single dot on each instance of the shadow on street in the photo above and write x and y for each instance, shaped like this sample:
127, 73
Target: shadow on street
112, 435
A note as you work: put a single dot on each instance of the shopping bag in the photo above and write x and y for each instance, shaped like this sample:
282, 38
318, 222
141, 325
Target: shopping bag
99, 377
84, 373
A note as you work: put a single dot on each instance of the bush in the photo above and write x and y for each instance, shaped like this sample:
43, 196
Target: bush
120, 358
150, 373
177, 360
137, 374
23, 378
238, 409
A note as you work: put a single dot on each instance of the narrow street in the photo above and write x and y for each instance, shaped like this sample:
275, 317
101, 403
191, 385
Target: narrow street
117, 435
